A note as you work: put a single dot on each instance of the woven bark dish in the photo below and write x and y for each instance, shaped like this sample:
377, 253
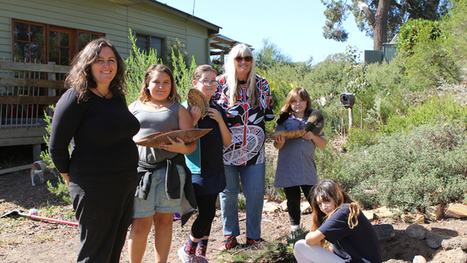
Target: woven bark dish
155, 140
197, 98
287, 134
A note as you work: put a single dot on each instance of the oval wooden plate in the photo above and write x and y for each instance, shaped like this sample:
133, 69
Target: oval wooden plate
156, 139
197, 98
288, 134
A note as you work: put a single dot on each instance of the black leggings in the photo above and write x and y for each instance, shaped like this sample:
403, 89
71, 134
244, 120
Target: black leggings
206, 213
293, 196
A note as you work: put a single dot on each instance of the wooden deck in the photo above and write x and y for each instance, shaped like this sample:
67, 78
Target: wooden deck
26, 91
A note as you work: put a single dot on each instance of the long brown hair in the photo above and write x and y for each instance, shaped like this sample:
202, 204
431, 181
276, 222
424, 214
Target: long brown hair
329, 189
144, 94
80, 76
293, 94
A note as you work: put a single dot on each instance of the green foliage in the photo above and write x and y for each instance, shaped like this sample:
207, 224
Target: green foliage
270, 55
183, 75
414, 32
136, 65
45, 154
456, 37
61, 189
361, 138
433, 108
139, 61
327, 77
410, 170
428, 62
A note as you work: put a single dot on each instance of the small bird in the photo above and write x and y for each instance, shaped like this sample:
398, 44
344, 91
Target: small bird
315, 122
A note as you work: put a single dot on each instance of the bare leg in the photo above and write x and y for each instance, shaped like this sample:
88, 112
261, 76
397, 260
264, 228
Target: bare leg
139, 232
163, 226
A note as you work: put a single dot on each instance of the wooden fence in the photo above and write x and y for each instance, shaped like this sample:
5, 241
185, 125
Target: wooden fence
26, 91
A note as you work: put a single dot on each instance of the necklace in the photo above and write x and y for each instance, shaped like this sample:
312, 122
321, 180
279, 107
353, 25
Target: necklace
103, 96
155, 105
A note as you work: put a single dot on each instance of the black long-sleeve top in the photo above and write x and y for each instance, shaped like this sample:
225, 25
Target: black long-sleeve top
102, 131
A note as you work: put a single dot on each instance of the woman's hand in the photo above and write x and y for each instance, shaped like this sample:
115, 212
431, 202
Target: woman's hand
195, 113
309, 136
214, 114
66, 178
178, 146
320, 142
314, 238
279, 142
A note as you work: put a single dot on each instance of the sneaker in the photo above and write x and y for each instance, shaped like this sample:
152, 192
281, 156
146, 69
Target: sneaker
228, 243
253, 243
186, 258
202, 259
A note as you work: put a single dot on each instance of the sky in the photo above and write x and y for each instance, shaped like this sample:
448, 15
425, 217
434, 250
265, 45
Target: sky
295, 27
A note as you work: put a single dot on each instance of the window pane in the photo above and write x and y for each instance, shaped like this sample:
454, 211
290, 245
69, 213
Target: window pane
94, 37
20, 49
54, 55
64, 40
142, 42
156, 43
53, 38
64, 56
83, 40
37, 53
37, 33
21, 31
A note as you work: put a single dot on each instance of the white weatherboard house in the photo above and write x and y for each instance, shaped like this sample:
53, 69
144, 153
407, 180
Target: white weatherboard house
38, 39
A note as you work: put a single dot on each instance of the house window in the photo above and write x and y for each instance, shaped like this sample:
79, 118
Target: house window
145, 42
85, 37
42, 43
29, 42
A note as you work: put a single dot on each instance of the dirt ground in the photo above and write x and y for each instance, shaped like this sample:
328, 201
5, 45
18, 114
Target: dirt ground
26, 240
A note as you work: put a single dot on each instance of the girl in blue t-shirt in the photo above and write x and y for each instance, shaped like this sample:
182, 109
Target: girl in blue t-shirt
206, 165
339, 220
296, 166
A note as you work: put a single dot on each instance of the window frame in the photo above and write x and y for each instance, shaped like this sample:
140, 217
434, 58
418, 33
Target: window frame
148, 36
74, 36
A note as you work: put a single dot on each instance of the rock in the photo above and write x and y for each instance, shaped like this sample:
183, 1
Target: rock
369, 214
434, 212
411, 218
453, 243
384, 231
383, 212
416, 231
456, 211
434, 240
305, 207
418, 259
270, 207
452, 256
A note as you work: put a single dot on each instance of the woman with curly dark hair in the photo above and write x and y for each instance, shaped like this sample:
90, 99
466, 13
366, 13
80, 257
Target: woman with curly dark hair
101, 173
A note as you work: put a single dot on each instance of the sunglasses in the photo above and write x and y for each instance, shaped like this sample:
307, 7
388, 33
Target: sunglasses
247, 59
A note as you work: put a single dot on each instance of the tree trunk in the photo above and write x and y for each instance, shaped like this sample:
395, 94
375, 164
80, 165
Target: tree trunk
381, 25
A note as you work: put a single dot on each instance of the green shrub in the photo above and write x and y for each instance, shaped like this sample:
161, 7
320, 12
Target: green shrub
410, 170
433, 108
139, 61
136, 65
361, 138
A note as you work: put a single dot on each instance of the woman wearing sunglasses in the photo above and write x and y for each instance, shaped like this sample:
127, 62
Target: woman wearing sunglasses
247, 100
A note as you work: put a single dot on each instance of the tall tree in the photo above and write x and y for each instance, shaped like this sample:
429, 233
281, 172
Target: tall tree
379, 19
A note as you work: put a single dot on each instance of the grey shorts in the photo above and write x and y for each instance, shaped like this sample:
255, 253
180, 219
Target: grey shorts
157, 198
